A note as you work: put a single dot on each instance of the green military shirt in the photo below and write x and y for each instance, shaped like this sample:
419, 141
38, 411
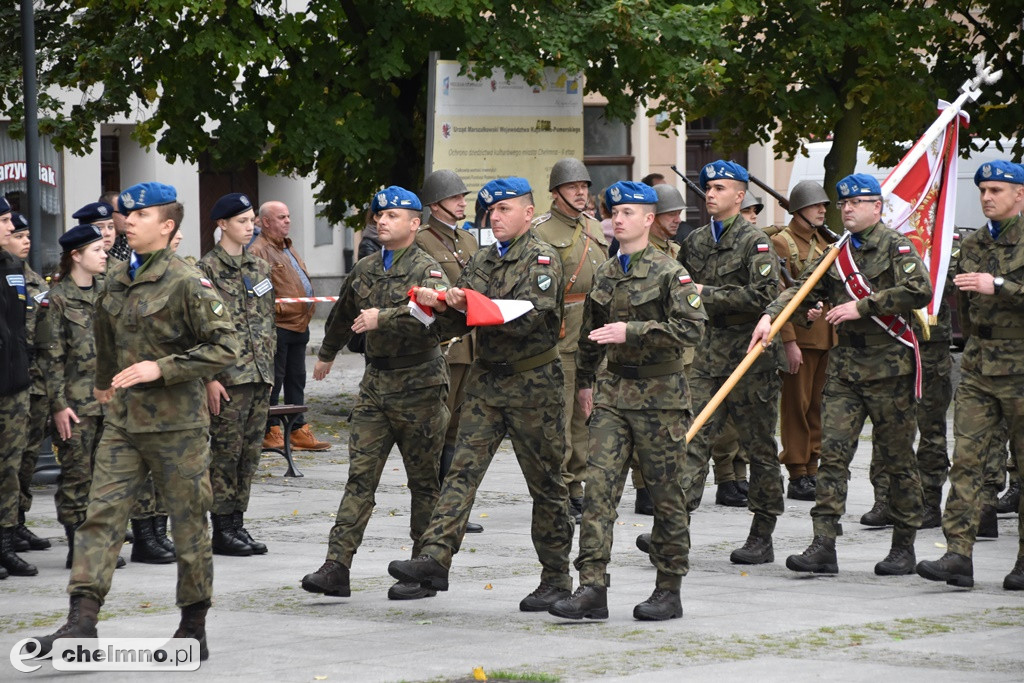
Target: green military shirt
740, 276
71, 358
994, 322
451, 248
560, 231
899, 283
398, 333
664, 246
172, 315
663, 314
243, 282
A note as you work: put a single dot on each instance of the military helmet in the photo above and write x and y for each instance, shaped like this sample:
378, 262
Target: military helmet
568, 170
806, 193
752, 200
669, 199
441, 184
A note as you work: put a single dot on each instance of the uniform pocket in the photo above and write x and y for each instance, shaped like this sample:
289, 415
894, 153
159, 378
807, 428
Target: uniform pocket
194, 465
154, 316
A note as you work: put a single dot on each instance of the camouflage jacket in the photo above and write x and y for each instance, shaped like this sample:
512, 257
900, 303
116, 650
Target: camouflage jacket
37, 328
529, 270
171, 315
243, 283
71, 359
452, 248
663, 314
994, 322
740, 276
558, 230
900, 284
398, 333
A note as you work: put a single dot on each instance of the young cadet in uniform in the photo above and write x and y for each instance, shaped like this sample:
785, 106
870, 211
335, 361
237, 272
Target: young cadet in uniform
160, 328
990, 279
737, 276
14, 394
403, 392
101, 215
642, 312
871, 373
806, 348
120, 250
751, 207
34, 424
514, 387
444, 194
580, 243
239, 396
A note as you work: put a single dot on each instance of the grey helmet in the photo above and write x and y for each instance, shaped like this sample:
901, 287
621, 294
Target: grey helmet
669, 199
568, 170
806, 193
441, 184
752, 200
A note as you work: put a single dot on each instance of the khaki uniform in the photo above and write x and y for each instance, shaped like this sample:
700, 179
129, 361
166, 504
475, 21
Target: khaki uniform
236, 435
402, 395
169, 314
580, 257
641, 407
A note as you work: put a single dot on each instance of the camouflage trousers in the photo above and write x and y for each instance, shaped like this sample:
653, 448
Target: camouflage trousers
76, 457
150, 502
846, 404
729, 460
657, 438
537, 437
753, 404
13, 409
236, 440
577, 438
456, 397
981, 403
38, 416
416, 421
179, 462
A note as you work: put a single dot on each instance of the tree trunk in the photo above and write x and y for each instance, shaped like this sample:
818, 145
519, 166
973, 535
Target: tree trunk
841, 160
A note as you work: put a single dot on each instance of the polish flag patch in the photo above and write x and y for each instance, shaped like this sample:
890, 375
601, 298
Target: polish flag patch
903, 249
956, 237
436, 273
685, 279
544, 260
762, 248
205, 283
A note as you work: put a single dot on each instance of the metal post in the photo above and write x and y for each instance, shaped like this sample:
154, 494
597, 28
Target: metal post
28, 59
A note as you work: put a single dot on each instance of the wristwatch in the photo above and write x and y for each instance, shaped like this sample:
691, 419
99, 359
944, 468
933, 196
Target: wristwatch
997, 283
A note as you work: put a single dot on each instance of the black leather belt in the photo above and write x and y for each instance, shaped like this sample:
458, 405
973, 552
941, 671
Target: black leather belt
644, 371
507, 369
989, 332
401, 362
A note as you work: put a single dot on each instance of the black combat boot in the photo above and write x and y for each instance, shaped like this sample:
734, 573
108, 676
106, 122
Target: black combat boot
743, 486
643, 542
9, 560
899, 562
663, 604
145, 549
878, 515
160, 532
953, 568
193, 625
224, 540
331, 579
643, 505
3, 573
423, 570
576, 509
242, 534
410, 590
819, 558
757, 550
728, 493
543, 597
25, 534
588, 602
1009, 502
988, 524
800, 489
82, 617
1014, 581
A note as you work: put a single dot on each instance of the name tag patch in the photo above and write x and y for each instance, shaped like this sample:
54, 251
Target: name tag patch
262, 287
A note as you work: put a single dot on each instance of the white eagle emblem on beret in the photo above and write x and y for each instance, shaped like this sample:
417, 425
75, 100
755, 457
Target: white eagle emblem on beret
127, 200
244, 200
986, 171
486, 196
616, 194
710, 170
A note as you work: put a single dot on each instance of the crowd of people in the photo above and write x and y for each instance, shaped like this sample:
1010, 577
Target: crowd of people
154, 375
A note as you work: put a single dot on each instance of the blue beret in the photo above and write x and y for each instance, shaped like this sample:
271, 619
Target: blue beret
501, 189
229, 206
717, 170
1003, 171
79, 236
97, 211
19, 222
4, 206
858, 185
395, 197
628, 192
145, 195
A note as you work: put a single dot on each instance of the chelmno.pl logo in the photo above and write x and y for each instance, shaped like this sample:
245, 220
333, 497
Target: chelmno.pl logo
110, 654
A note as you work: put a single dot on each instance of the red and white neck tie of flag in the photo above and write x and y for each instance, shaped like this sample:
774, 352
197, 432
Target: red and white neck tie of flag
920, 201
480, 310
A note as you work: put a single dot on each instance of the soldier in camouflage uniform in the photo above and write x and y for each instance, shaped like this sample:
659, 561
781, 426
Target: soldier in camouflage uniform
514, 387
403, 392
737, 275
160, 328
870, 374
581, 245
239, 397
444, 194
990, 279
643, 310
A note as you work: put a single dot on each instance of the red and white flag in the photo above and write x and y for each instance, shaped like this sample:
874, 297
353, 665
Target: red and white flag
922, 203
480, 310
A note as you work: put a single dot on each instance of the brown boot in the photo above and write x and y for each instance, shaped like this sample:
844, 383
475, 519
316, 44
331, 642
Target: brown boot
193, 625
81, 623
274, 438
303, 440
